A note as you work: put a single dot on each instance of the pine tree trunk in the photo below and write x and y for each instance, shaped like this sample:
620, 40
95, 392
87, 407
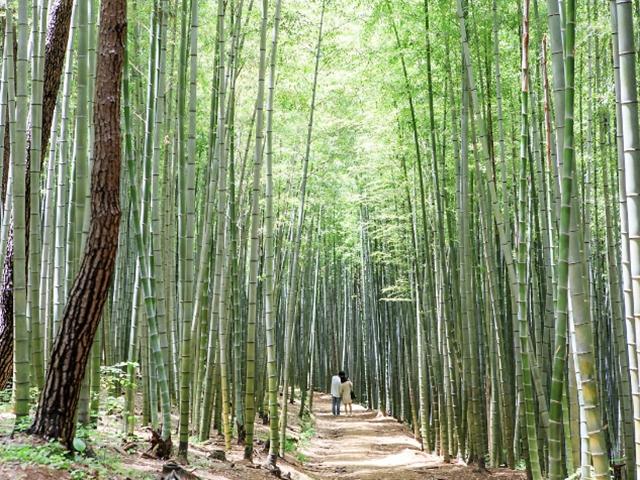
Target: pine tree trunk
56, 411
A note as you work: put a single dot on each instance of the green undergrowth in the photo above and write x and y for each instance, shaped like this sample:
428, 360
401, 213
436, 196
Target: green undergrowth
521, 465
54, 455
307, 432
92, 457
90, 460
51, 454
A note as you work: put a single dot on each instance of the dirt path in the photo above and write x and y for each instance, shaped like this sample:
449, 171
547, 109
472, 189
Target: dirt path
367, 446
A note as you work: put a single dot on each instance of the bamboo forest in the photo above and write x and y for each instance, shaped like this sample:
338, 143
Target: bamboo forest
319, 239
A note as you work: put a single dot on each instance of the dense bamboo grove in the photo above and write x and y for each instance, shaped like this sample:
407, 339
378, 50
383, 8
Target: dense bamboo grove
440, 197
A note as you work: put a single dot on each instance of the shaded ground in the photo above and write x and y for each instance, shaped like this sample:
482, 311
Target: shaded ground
113, 458
365, 446
368, 446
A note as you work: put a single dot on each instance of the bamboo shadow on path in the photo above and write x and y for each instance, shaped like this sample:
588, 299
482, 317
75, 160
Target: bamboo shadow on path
369, 446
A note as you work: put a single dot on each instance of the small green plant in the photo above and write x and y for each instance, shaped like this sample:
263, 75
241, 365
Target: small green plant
114, 380
307, 428
115, 377
22, 424
5, 396
34, 393
113, 405
79, 445
84, 436
290, 445
78, 474
307, 432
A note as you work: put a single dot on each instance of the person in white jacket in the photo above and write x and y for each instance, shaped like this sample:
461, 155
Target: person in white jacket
336, 384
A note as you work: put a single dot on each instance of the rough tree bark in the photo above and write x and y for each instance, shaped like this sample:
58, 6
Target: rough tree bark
6, 320
55, 49
59, 399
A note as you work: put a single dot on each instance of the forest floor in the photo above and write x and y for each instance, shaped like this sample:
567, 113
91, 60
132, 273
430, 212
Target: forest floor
365, 446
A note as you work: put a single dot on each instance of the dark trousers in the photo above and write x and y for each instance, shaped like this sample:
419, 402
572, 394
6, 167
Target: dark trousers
335, 405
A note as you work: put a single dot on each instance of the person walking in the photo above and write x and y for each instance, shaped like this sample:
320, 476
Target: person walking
336, 383
346, 395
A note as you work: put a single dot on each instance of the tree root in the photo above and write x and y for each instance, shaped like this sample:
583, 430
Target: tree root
159, 448
172, 471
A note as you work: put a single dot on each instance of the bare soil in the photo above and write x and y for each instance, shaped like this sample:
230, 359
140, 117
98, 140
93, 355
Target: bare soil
30, 472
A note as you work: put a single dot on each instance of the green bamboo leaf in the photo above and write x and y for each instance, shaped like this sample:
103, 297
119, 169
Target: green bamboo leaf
79, 445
